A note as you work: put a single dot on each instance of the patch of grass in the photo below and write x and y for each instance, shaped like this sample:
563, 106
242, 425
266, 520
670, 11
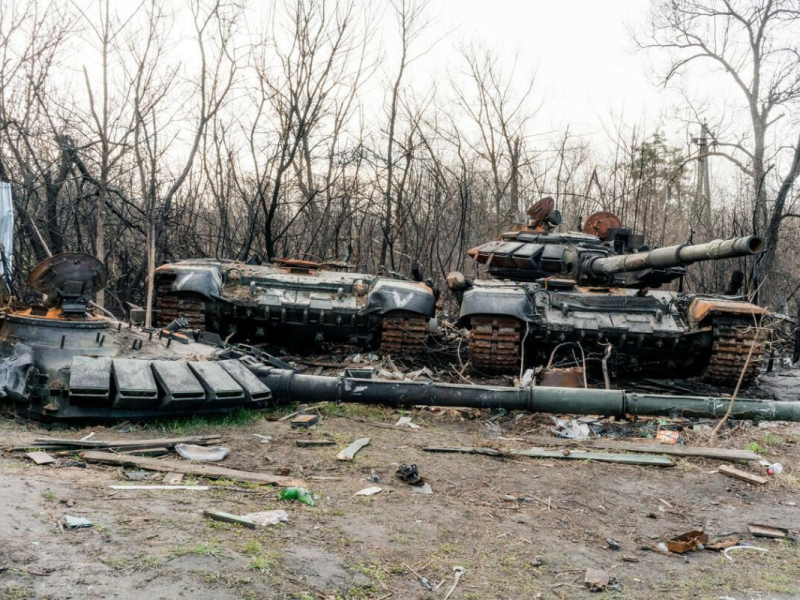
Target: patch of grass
755, 447
769, 438
265, 561
189, 424
50, 496
13, 592
363, 411
252, 548
370, 570
207, 548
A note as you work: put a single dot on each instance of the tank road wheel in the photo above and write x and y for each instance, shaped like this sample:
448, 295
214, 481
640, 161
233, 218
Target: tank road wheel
494, 343
170, 306
403, 334
733, 337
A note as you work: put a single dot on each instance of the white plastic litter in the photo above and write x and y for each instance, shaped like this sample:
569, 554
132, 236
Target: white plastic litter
732, 548
268, 517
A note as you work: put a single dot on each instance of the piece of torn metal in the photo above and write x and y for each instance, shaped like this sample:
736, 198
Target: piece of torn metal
350, 452
692, 540
369, 491
71, 522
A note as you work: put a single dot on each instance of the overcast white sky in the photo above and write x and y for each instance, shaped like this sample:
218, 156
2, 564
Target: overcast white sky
580, 50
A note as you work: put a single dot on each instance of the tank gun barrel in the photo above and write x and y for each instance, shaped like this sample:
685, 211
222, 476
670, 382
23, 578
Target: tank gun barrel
288, 386
676, 256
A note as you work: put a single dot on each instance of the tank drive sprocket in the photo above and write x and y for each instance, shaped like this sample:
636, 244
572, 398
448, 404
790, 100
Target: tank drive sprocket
494, 343
733, 338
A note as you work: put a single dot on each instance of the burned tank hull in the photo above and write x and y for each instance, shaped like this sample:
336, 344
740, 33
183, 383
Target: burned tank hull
657, 333
296, 301
595, 289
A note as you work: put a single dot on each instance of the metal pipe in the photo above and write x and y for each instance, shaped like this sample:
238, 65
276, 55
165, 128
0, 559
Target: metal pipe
287, 386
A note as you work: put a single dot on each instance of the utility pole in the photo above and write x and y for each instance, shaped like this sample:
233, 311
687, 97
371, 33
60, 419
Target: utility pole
702, 194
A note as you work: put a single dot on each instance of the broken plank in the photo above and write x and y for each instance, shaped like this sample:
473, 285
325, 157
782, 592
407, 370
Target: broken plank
677, 450
201, 488
41, 458
174, 466
127, 444
314, 443
625, 459
767, 531
743, 475
229, 518
349, 452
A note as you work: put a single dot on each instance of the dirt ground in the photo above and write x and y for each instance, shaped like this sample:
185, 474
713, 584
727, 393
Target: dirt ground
157, 544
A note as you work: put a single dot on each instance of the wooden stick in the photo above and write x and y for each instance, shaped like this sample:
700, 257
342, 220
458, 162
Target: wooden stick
229, 518
174, 466
677, 450
314, 443
626, 459
743, 475
201, 488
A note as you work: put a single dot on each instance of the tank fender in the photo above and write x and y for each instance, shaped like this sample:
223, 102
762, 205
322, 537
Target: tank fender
702, 308
388, 295
506, 302
205, 281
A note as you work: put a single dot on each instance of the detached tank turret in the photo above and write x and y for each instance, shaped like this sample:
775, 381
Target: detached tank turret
596, 288
297, 301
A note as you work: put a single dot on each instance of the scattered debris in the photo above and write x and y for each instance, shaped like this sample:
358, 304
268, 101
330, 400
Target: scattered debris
668, 436
314, 443
209, 471
369, 491
296, 493
627, 459
41, 458
459, 571
229, 518
743, 475
718, 453
422, 580
201, 453
268, 517
409, 474
200, 488
767, 531
775, 469
406, 422
424, 488
692, 540
172, 478
722, 544
349, 452
613, 544
629, 558
265, 439
137, 475
86, 438
596, 579
304, 421
742, 547
71, 522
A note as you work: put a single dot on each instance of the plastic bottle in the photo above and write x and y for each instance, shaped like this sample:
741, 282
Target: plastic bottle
296, 493
775, 469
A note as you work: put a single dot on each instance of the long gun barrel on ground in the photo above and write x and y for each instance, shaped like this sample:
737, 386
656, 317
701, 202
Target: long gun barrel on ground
287, 386
676, 256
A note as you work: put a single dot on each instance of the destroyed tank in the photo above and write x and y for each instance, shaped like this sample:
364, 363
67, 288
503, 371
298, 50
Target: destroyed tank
297, 301
595, 288
62, 362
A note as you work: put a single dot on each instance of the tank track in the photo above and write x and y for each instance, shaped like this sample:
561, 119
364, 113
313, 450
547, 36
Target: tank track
170, 306
403, 334
494, 343
733, 337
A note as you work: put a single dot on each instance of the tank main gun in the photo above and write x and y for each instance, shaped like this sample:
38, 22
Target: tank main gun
674, 256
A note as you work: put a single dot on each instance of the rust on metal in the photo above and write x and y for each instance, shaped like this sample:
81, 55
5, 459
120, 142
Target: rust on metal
687, 542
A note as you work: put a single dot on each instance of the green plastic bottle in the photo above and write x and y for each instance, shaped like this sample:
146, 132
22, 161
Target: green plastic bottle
296, 493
